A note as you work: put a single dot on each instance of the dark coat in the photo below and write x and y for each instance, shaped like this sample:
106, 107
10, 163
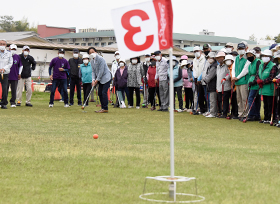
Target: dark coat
28, 64
120, 81
211, 77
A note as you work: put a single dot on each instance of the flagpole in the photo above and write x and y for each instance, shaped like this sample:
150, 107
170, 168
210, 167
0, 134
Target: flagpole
172, 186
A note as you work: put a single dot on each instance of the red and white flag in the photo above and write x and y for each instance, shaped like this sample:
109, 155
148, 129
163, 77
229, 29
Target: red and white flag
143, 28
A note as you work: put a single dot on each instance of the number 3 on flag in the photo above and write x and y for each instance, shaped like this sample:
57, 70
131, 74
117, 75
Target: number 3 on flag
143, 28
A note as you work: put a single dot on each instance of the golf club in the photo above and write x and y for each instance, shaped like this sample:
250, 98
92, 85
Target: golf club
228, 117
83, 107
245, 120
2, 75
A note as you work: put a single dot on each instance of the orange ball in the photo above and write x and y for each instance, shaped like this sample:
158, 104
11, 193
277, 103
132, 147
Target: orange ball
95, 136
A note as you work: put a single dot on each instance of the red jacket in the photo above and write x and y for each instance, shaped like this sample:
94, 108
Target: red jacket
151, 76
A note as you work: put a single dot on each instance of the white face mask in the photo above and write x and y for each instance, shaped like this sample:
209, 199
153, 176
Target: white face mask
61, 55
147, 59
211, 61
134, 61
241, 52
25, 53
197, 54
75, 55
265, 59
13, 52
2, 48
157, 57
228, 62
121, 64
93, 55
118, 56
228, 50
258, 56
85, 61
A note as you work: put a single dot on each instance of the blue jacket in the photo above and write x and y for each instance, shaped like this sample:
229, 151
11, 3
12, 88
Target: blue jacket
86, 73
177, 76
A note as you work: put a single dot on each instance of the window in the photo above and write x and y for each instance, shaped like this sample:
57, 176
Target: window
217, 44
177, 45
83, 44
77, 43
96, 44
186, 45
89, 44
103, 44
110, 43
197, 45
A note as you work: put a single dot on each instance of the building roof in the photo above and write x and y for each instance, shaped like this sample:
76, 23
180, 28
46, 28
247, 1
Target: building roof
71, 28
16, 36
176, 36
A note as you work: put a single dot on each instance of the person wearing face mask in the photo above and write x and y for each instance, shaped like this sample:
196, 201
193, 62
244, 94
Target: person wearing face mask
102, 76
240, 79
85, 73
135, 73
198, 65
115, 66
28, 64
153, 87
276, 81
210, 80
253, 69
267, 72
229, 48
146, 65
57, 71
120, 82
161, 79
6, 62
74, 77
229, 60
14, 75
258, 52
178, 82
223, 85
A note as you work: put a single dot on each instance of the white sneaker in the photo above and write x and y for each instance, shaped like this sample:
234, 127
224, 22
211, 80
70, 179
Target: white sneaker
50, 105
123, 104
179, 110
210, 116
66, 106
189, 110
137, 107
206, 114
130, 106
61, 100
13, 106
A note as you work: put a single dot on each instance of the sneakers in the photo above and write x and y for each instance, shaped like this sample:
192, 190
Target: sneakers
153, 108
265, 121
210, 116
13, 106
29, 105
66, 105
71, 104
102, 111
179, 110
4, 107
130, 106
122, 105
61, 100
222, 116
137, 107
50, 105
206, 114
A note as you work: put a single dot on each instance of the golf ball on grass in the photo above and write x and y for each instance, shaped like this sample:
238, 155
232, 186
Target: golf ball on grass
95, 136
83, 107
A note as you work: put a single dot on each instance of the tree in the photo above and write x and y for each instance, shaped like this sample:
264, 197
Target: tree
22, 25
7, 23
268, 37
277, 38
252, 38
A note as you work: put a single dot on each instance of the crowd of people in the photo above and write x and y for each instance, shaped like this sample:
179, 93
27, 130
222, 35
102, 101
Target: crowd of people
225, 84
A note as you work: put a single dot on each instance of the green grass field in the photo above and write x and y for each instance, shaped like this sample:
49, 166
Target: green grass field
48, 155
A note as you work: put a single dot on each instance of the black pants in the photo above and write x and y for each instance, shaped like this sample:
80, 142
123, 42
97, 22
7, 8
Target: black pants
234, 105
4, 83
86, 89
13, 84
188, 97
201, 99
75, 81
152, 92
225, 102
178, 91
278, 102
102, 93
137, 92
267, 106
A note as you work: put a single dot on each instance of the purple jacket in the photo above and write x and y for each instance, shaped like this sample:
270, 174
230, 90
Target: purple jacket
120, 81
59, 63
15, 68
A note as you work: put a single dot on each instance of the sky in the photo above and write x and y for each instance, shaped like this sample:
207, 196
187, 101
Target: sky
238, 18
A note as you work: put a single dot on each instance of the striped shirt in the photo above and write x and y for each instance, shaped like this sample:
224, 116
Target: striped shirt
6, 61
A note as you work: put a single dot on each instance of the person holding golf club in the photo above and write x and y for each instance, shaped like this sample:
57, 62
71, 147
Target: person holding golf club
120, 82
85, 73
267, 72
102, 76
223, 85
254, 99
6, 62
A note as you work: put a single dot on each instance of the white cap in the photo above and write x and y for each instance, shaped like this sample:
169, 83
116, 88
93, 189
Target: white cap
26, 47
85, 56
13, 46
229, 57
229, 44
252, 52
277, 54
196, 48
117, 52
211, 54
184, 62
267, 53
245, 43
122, 60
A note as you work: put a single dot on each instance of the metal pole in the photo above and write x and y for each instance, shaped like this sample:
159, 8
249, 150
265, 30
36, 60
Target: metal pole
172, 186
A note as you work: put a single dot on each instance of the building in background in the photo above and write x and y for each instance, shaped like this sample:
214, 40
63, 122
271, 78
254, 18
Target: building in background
29, 36
47, 31
87, 30
206, 32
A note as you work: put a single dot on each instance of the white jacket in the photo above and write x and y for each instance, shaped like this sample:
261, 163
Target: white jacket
198, 65
114, 68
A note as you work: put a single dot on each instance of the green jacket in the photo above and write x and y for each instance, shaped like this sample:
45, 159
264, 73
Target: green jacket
268, 88
239, 66
252, 72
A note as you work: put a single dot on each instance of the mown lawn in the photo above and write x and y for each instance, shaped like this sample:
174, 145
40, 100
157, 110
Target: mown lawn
49, 156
